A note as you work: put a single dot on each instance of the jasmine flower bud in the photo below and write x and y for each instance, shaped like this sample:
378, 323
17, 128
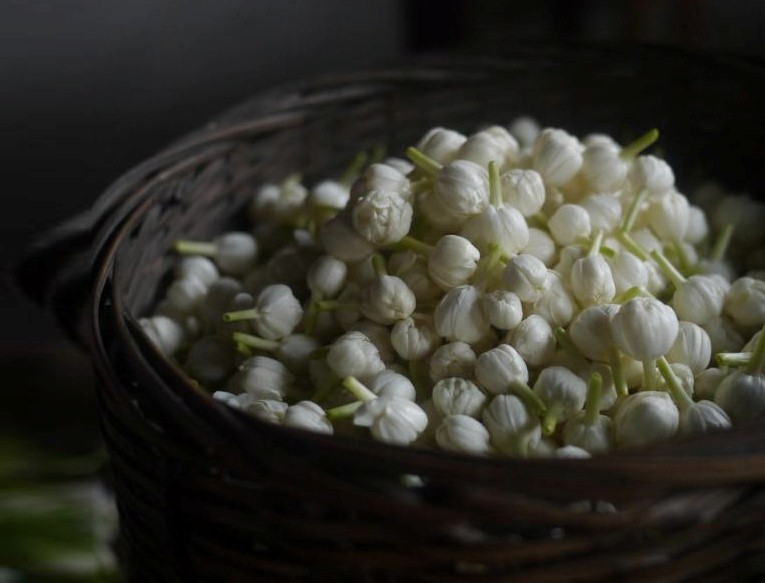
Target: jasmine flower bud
628, 272
541, 246
342, 241
455, 359
523, 190
413, 271
645, 418
309, 416
692, 347
525, 129
210, 360
527, 277
482, 148
603, 167
197, 267
276, 313
379, 336
278, 202
742, 394
510, 146
186, 295
703, 417
327, 276
588, 429
165, 333
453, 261
503, 309
502, 227
387, 299
459, 315
590, 331
413, 339
354, 355
698, 229
461, 190
706, 382
501, 369
569, 223
382, 217
392, 419
513, 430
458, 396
534, 340
441, 144
388, 383
269, 410
463, 434
556, 305
591, 279
263, 378
652, 174
644, 328
295, 351
329, 194
745, 302
605, 211
557, 156
668, 215
227, 398
563, 394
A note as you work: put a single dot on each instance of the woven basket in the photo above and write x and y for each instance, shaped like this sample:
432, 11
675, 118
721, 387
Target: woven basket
206, 493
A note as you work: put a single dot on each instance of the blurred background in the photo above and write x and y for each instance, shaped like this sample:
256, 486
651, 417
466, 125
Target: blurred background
89, 89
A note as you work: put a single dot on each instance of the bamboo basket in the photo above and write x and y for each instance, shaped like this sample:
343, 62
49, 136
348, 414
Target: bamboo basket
206, 493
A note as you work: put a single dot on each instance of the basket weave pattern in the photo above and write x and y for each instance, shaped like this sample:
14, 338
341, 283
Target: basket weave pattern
208, 494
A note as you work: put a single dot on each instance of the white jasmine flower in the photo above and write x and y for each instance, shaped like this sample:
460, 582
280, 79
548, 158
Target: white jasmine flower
461, 190
591, 280
327, 276
571, 452
497, 226
455, 359
512, 428
482, 148
382, 217
210, 360
441, 144
354, 355
603, 168
644, 418
534, 340
329, 194
569, 223
269, 410
557, 156
453, 261
413, 339
458, 396
628, 272
392, 384
556, 304
501, 369
387, 299
227, 398
525, 129
309, 416
523, 190
392, 419
698, 228
459, 315
276, 313
234, 252
706, 382
527, 277
652, 174
503, 309
692, 347
186, 295
463, 434
541, 246
342, 241
165, 333
745, 302
413, 271
644, 328
295, 351
605, 211
563, 394
263, 378
742, 396
588, 429
199, 267
667, 215
703, 417
379, 335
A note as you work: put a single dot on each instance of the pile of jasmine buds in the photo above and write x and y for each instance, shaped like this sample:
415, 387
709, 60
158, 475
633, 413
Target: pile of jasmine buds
518, 291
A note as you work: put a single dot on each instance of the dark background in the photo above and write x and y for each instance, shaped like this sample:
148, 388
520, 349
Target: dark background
90, 88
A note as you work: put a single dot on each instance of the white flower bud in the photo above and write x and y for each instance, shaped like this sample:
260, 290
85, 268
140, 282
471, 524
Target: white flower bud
499, 368
692, 347
502, 226
342, 241
527, 277
512, 428
295, 351
684, 376
461, 190
556, 305
463, 434
628, 271
591, 281
645, 418
534, 340
165, 333
455, 359
667, 216
523, 190
329, 194
590, 331
569, 223
706, 382
541, 246
562, 392
354, 355
745, 302
603, 168
566, 258
379, 335
186, 295
600, 139
453, 261
441, 144
278, 312
703, 417
309, 416
458, 396
387, 299
269, 410
605, 211
227, 398
525, 129
503, 309
263, 378
459, 315
327, 276
652, 174
699, 299
544, 448
483, 148
388, 383
392, 419
218, 298
199, 267
742, 396
593, 438
413, 271
557, 156
698, 229
413, 339
382, 217
510, 146
278, 202
644, 328
210, 360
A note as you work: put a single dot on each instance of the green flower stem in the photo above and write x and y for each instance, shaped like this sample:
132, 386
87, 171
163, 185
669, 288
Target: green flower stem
634, 210
328, 305
421, 185
195, 248
594, 392
495, 190
617, 371
633, 149
540, 219
597, 241
487, 264
357, 389
251, 314
631, 245
650, 382
377, 154
243, 349
669, 270
758, 355
424, 163
721, 243
568, 346
682, 256
311, 315
550, 419
325, 390
353, 169
343, 411
256, 342
631, 293
411, 244
607, 251
676, 391
733, 359
378, 264
528, 396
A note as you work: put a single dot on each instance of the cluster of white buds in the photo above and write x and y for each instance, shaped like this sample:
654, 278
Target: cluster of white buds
516, 291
